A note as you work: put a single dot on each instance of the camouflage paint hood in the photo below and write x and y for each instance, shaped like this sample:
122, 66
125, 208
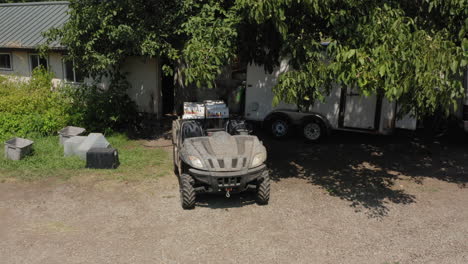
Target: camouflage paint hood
222, 151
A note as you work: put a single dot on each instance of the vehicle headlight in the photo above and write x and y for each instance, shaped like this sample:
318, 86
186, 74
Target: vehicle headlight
258, 159
196, 162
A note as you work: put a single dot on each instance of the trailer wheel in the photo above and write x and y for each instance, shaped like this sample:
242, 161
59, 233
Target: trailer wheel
313, 130
187, 192
279, 127
262, 195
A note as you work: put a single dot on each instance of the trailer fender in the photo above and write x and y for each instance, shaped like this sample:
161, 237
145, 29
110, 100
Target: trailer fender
276, 114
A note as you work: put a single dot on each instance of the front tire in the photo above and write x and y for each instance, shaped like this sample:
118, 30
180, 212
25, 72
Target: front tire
262, 195
175, 128
187, 192
174, 158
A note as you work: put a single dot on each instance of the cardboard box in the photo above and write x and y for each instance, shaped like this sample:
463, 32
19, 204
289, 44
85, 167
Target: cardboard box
194, 110
216, 109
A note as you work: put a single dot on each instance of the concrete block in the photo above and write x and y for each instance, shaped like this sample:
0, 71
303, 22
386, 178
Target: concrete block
70, 146
93, 140
69, 132
18, 148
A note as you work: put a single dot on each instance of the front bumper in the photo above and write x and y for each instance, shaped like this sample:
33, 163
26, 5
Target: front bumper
217, 181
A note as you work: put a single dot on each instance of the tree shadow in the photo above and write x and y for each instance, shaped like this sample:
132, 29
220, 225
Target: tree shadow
149, 127
363, 169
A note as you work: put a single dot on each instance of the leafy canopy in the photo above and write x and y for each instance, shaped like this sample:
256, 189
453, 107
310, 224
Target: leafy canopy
411, 51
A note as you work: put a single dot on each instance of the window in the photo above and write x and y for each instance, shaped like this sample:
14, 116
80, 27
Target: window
71, 73
5, 61
37, 61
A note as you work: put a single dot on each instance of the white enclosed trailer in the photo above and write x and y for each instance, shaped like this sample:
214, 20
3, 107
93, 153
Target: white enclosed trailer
343, 109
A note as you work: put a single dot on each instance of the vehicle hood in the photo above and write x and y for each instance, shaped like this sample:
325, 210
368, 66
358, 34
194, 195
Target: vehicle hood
222, 151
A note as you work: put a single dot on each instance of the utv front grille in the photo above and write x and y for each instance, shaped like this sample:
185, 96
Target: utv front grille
211, 163
229, 181
234, 163
221, 163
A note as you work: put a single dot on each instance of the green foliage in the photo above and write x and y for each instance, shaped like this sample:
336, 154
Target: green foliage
102, 110
35, 107
100, 34
31, 107
25, 1
210, 45
411, 51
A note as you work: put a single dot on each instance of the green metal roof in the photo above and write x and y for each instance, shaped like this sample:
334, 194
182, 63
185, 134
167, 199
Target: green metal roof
22, 24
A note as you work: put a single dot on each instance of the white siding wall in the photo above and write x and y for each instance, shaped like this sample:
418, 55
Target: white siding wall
56, 66
144, 77
22, 66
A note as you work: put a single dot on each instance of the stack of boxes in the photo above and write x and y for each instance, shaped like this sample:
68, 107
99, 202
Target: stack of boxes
216, 109
194, 110
207, 110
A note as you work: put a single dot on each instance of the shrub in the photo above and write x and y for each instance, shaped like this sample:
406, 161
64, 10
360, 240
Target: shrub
32, 106
36, 107
103, 110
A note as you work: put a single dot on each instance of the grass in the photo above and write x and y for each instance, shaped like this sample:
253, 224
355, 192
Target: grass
136, 162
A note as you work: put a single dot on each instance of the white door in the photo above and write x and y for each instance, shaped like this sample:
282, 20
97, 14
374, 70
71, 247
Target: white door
359, 110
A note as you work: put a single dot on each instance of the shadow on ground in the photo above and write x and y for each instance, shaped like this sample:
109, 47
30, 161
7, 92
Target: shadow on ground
363, 169
360, 168
219, 201
151, 128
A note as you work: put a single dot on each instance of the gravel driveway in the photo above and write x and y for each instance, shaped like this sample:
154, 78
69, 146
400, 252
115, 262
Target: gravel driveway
350, 199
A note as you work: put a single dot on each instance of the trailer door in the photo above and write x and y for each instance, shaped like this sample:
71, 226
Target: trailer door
259, 94
359, 111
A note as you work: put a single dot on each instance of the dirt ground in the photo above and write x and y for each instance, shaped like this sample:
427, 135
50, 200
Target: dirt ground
350, 199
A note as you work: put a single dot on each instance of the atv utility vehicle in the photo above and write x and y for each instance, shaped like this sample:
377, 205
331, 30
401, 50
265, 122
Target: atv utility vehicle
218, 160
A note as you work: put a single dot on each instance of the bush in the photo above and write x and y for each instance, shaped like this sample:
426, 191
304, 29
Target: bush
31, 107
103, 110
35, 107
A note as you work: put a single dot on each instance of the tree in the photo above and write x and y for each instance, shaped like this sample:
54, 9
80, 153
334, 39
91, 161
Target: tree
100, 34
411, 51
24, 1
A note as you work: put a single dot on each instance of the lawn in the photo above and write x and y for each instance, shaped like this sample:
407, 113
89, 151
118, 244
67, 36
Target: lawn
136, 162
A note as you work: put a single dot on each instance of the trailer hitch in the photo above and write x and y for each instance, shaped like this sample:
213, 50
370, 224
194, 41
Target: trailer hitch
228, 194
